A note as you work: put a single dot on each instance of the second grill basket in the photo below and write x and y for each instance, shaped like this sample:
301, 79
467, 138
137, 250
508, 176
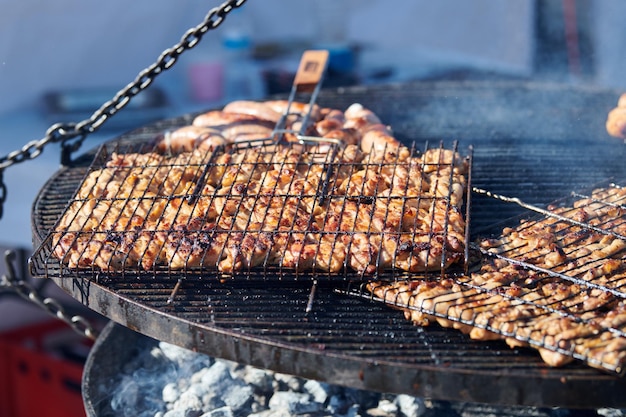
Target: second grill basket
554, 282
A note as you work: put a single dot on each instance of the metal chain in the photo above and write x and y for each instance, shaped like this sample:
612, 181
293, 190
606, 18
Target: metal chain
65, 132
11, 282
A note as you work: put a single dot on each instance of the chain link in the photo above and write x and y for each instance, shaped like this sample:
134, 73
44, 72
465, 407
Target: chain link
3, 192
66, 132
11, 282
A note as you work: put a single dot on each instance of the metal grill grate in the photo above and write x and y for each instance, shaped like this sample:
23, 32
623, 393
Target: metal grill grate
285, 211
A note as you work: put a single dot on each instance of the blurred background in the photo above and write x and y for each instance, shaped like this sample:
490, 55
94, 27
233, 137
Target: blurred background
73, 44
61, 60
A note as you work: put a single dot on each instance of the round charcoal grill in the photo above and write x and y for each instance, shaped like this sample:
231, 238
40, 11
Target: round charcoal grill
537, 142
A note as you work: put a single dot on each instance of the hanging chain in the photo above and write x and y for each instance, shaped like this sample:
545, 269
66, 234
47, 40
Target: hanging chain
66, 132
11, 282
72, 135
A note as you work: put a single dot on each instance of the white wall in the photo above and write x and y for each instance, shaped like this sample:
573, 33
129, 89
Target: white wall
77, 43
484, 33
80, 43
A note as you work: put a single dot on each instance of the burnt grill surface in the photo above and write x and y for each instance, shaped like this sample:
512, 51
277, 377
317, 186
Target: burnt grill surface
534, 141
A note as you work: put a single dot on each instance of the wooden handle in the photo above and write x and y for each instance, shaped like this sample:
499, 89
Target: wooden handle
311, 70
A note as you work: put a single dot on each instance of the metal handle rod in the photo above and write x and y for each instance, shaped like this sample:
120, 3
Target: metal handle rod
547, 213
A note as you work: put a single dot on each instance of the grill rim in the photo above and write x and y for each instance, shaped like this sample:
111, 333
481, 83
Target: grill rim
565, 389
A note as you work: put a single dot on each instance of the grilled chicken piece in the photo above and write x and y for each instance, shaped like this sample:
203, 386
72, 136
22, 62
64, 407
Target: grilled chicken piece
248, 165
616, 119
330, 207
378, 140
370, 253
562, 318
360, 118
197, 244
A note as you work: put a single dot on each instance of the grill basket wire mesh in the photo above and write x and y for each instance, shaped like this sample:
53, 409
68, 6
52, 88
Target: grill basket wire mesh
126, 209
511, 154
587, 290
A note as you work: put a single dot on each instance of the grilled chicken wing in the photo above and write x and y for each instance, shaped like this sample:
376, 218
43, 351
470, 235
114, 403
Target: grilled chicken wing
523, 294
361, 202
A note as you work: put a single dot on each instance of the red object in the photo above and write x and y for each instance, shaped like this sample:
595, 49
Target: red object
33, 380
571, 37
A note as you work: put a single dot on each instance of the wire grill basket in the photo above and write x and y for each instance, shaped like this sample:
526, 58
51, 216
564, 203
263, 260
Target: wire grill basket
273, 211
555, 281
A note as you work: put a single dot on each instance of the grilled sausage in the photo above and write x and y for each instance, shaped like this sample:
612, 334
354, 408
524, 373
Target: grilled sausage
378, 138
255, 109
187, 138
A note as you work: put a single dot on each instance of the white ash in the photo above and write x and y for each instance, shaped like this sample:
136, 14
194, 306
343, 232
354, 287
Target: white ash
168, 381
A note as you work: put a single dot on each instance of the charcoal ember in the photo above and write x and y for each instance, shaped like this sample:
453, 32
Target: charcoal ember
218, 377
182, 413
171, 393
134, 393
189, 401
410, 406
187, 361
353, 411
611, 412
259, 379
366, 399
287, 382
239, 397
383, 409
198, 389
212, 401
235, 393
294, 402
272, 413
343, 401
209, 398
219, 412
338, 404
319, 391
197, 376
